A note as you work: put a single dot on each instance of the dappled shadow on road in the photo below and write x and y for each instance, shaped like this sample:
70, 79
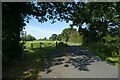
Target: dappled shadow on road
73, 55
43, 59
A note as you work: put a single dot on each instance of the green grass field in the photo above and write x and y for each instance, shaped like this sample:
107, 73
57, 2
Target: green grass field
37, 43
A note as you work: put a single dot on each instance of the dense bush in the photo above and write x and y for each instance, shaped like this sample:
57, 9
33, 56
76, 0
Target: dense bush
29, 38
108, 49
12, 53
61, 45
75, 37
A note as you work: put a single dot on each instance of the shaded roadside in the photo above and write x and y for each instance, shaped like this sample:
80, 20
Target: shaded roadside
77, 60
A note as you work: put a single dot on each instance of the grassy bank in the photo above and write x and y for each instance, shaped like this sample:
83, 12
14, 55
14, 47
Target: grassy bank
109, 52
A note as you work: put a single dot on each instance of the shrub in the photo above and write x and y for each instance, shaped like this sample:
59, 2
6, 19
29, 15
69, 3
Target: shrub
108, 49
61, 45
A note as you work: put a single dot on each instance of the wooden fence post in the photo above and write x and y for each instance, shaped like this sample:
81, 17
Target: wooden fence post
40, 44
31, 45
56, 43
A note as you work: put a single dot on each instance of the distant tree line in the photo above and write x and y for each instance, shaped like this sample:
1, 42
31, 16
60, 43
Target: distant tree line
29, 38
68, 34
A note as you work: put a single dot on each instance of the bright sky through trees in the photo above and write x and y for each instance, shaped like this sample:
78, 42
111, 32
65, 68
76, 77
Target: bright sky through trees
42, 30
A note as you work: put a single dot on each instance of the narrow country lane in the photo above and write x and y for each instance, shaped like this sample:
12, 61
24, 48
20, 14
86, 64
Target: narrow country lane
76, 62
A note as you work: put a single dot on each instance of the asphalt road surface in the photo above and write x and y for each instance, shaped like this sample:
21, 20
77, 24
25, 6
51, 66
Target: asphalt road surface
76, 62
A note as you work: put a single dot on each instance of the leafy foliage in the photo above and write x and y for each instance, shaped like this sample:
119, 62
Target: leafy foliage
75, 37
101, 19
29, 38
66, 32
68, 35
53, 37
108, 50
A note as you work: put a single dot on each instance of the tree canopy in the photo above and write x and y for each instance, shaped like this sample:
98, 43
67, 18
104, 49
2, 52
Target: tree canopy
67, 32
101, 19
53, 37
29, 38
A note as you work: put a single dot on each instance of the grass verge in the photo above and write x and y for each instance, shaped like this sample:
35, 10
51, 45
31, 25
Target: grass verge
103, 52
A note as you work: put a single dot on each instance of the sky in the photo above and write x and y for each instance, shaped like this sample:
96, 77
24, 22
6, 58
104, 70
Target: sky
46, 29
